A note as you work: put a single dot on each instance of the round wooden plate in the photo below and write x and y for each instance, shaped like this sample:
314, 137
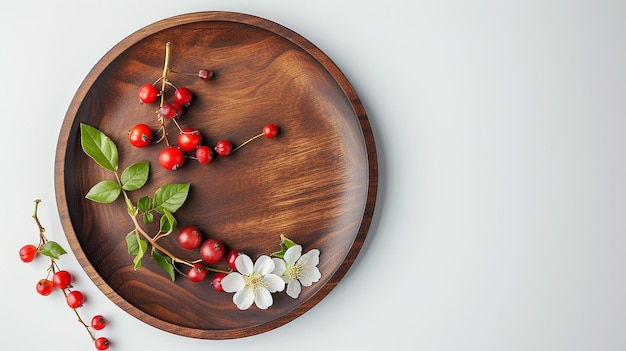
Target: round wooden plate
315, 182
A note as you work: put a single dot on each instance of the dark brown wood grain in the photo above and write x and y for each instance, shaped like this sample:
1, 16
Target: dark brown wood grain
315, 183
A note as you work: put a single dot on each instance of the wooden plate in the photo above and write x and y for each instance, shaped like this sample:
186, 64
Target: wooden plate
315, 182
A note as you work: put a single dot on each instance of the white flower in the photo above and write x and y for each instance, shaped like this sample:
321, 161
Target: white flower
297, 269
253, 282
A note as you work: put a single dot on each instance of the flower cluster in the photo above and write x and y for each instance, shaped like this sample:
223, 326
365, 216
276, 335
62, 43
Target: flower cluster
254, 282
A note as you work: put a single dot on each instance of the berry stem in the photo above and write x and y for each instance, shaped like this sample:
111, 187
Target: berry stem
247, 141
42, 237
80, 319
164, 84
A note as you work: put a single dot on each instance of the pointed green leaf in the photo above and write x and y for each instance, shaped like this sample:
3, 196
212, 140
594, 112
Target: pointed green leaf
165, 262
168, 222
285, 243
99, 147
135, 176
52, 249
143, 247
104, 192
170, 197
144, 204
131, 242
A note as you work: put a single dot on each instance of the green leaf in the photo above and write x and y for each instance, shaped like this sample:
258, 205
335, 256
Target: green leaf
170, 197
285, 243
52, 249
99, 147
104, 192
131, 242
143, 247
148, 218
168, 222
135, 176
144, 204
165, 262
137, 247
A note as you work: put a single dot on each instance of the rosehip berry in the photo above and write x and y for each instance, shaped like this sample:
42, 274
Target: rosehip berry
140, 135
62, 279
224, 147
183, 96
148, 93
231, 257
28, 253
197, 272
75, 299
270, 130
172, 158
171, 110
212, 251
204, 154
189, 237
102, 343
189, 139
98, 322
205, 74
216, 281
45, 287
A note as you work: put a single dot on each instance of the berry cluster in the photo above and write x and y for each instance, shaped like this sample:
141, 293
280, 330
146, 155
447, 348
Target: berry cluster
190, 140
212, 251
61, 280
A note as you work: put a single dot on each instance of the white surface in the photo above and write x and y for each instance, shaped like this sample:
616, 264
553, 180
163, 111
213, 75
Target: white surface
500, 129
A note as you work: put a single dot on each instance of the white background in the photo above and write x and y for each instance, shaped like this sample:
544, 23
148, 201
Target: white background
500, 130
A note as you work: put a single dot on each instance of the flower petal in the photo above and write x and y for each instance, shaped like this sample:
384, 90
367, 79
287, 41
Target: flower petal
233, 282
262, 298
274, 282
310, 259
263, 265
244, 298
243, 263
293, 289
293, 254
279, 266
309, 276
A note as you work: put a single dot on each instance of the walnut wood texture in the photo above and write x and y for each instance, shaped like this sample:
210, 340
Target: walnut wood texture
315, 183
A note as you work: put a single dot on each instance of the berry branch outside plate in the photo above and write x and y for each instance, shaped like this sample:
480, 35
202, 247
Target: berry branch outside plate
252, 282
57, 278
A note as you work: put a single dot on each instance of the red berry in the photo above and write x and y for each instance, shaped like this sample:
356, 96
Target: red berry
171, 110
205, 74
172, 158
179, 109
98, 322
197, 272
212, 251
204, 154
270, 130
62, 279
224, 147
217, 281
231, 257
183, 96
75, 299
102, 343
28, 253
45, 287
148, 93
189, 139
189, 237
140, 135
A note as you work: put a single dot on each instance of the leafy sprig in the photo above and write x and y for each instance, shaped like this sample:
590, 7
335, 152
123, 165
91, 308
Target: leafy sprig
166, 200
